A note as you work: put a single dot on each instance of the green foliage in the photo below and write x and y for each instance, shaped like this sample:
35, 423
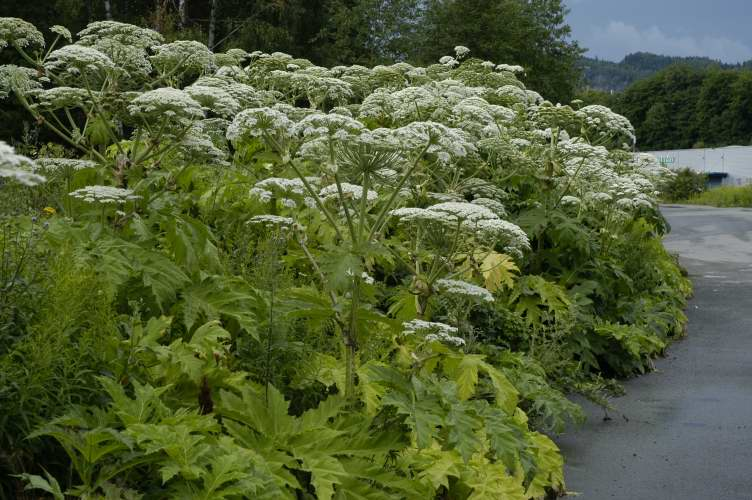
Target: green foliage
685, 185
358, 283
722, 196
686, 105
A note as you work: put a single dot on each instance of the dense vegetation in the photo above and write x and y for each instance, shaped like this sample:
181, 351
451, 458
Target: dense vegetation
244, 275
723, 196
608, 76
685, 184
334, 32
682, 107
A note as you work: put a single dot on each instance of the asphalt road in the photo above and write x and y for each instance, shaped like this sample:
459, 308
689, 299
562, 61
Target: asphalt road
685, 431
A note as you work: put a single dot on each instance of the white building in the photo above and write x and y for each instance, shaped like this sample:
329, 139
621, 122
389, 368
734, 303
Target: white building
731, 165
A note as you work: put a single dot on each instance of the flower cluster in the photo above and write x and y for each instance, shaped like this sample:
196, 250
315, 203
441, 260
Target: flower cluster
104, 194
78, 61
182, 56
125, 34
256, 122
14, 31
272, 221
63, 32
214, 100
158, 105
480, 221
55, 164
607, 124
16, 79
463, 290
433, 332
17, 167
349, 191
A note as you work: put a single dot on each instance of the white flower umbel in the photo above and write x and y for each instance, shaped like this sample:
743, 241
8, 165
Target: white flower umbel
349, 191
74, 61
418, 327
63, 32
569, 200
599, 197
256, 122
130, 59
127, 34
449, 61
461, 51
433, 331
182, 56
445, 143
511, 94
197, 146
289, 191
282, 186
104, 194
60, 97
510, 68
333, 125
272, 221
606, 123
464, 211
16, 167
17, 79
54, 164
514, 239
15, 31
495, 206
215, 100
173, 105
480, 221
463, 290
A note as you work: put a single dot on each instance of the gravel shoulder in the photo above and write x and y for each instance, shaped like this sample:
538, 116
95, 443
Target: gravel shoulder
684, 431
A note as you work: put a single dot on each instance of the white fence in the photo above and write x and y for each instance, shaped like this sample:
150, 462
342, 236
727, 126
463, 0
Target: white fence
735, 161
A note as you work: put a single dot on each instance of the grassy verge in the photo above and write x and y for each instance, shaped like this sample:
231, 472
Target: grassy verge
725, 196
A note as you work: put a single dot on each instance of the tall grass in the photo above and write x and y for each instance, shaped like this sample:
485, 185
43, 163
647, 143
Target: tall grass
724, 196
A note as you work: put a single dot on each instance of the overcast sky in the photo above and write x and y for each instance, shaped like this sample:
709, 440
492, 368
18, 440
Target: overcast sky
611, 29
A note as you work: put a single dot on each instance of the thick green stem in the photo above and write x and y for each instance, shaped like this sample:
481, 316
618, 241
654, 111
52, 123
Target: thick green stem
316, 198
351, 339
381, 219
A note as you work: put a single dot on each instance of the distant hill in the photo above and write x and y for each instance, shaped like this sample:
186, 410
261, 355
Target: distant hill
616, 76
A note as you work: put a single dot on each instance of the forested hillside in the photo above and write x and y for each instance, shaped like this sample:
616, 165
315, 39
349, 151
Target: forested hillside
686, 107
616, 76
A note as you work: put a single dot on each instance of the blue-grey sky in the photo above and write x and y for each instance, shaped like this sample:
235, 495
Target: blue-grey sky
611, 29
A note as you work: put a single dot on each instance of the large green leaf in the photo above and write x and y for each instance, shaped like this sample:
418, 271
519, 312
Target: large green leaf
217, 297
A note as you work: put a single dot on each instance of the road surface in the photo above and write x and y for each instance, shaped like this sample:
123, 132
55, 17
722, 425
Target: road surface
685, 431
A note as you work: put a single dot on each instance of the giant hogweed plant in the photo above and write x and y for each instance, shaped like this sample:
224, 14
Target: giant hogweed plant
457, 252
